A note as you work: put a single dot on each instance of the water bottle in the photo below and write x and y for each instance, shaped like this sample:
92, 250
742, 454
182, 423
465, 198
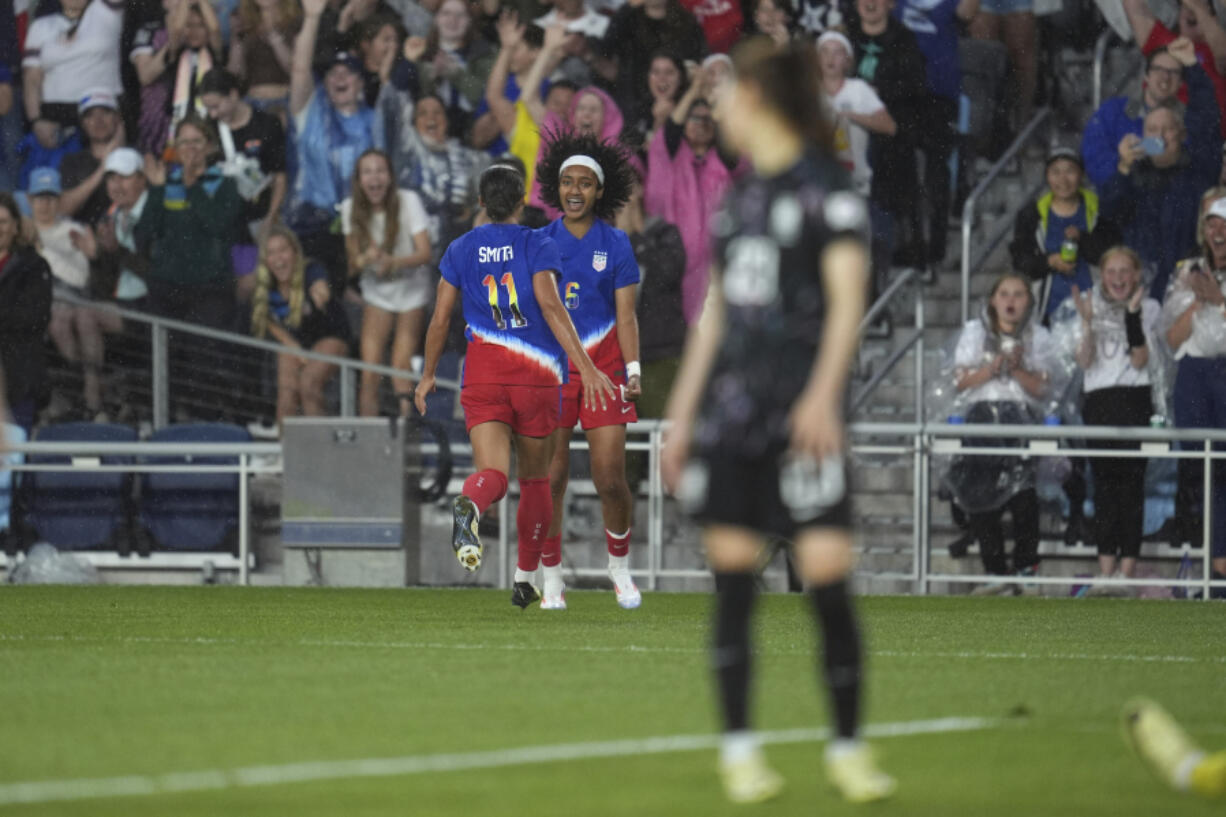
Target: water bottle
1068, 250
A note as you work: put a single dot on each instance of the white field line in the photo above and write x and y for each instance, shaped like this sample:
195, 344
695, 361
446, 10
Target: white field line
47, 791
970, 655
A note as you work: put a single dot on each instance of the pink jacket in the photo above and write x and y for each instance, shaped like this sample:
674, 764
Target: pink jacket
613, 123
686, 191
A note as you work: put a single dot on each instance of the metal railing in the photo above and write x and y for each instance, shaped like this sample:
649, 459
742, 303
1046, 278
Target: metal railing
160, 329
985, 247
920, 441
915, 339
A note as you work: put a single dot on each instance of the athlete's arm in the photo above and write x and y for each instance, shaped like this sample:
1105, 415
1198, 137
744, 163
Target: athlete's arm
817, 417
436, 340
596, 386
626, 298
696, 362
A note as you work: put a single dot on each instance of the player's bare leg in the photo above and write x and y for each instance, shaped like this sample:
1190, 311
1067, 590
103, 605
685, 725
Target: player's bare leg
608, 448
733, 555
825, 561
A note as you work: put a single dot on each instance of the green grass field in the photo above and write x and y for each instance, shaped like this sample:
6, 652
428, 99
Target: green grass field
139, 683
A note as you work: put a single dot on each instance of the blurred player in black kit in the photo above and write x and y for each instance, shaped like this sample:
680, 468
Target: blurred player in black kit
757, 441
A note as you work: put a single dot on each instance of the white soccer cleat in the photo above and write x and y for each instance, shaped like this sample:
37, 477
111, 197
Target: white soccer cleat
628, 595
855, 774
750, 780
554, 596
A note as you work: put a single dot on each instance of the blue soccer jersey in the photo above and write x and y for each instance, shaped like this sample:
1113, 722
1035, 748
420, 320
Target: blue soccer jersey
509, 342
593, 269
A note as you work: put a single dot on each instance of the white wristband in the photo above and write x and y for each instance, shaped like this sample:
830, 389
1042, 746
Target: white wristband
633, 369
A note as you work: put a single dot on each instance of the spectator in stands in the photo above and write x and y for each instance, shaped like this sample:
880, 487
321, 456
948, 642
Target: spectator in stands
253, 143
378, 45
332, 127
1197, 23
660, 254
171, 58
1058, 238
935, 26
262, 50
187, 227
667, 82
66, 55
1194, 317
1121, 115
387, 238
688, 174
68, 248
438, 168
722, 22
1013, 22
776, 20
25, 312
583, 54
293, 304
1117, 321
10, 111
1001, 369
888, 58
518, 47
856, 112
118, 258
81, 173
1155, 191
521, 123
639, 30
453, 64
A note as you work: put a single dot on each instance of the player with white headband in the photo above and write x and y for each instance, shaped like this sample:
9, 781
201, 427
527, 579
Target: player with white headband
589, 181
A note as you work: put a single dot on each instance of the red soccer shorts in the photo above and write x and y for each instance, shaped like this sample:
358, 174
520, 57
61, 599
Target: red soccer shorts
531, 411
616, 412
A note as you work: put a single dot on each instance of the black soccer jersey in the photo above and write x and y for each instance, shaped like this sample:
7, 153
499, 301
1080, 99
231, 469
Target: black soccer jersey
769, 237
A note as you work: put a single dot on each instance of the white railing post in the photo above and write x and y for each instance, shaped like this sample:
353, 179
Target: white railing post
1207, 520
348, 389
244, 522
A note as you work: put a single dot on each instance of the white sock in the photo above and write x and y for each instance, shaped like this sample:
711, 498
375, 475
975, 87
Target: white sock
737, 746
524, 575
840, 747
553, 576
619, 562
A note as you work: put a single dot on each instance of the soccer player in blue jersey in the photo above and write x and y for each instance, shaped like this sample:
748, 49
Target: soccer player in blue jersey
589, 181
519, 339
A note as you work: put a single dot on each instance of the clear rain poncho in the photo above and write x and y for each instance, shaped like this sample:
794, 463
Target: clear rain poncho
982, 483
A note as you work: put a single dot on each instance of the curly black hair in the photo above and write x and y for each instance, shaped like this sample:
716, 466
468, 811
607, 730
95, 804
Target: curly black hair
613, 160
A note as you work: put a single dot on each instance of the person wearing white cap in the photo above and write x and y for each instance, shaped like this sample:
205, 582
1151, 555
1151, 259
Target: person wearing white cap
1194, 318
66, 54
128, 190
84, 196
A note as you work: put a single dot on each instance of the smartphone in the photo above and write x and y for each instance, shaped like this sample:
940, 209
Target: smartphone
1153, 145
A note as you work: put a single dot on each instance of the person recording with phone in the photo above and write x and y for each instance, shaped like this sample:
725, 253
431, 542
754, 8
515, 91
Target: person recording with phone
1154, 194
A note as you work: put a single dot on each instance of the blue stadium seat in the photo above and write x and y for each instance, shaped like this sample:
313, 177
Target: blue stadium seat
186, 511
80, 508
12, 434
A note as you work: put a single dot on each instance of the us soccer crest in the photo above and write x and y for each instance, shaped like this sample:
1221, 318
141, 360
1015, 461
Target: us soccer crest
600, 260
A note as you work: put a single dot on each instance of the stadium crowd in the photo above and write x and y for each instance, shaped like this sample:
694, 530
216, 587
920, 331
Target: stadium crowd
296, 170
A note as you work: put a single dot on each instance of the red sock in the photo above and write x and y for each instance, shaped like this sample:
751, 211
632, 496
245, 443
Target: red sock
532, 521
618, 545
485, 488
551, 554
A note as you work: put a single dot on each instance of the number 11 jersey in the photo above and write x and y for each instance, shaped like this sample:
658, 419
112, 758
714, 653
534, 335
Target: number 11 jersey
509, 342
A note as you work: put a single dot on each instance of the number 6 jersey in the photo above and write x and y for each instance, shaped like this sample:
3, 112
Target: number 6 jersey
509, 342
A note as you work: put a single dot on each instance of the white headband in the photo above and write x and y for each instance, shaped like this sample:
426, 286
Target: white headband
583, 161
835, 36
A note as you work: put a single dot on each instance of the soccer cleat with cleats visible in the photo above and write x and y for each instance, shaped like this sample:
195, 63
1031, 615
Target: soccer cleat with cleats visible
1169, 752
855, 774
523, 594
464, 539
628, 595
750, 780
